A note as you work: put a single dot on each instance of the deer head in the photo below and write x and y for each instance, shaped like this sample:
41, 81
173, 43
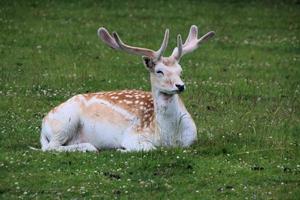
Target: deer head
165, 72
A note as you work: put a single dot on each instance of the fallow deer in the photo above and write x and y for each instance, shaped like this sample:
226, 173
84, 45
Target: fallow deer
128, 120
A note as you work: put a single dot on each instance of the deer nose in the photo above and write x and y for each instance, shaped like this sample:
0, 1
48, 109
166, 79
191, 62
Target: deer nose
180, 87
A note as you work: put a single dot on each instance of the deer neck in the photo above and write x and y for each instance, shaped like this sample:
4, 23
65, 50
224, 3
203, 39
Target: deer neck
168, 111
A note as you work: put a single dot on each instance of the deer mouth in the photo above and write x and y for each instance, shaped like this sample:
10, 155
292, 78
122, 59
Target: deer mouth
166, 94
170, 93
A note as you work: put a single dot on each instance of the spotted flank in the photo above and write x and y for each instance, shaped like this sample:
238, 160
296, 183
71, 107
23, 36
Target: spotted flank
136, 102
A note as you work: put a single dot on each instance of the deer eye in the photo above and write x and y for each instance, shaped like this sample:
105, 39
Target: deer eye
159, 72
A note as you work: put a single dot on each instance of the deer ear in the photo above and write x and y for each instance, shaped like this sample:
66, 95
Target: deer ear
149, 63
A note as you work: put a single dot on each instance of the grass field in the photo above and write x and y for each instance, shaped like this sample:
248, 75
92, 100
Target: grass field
243, 91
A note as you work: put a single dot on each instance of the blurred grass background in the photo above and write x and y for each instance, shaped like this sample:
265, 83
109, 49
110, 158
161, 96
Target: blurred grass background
243, 91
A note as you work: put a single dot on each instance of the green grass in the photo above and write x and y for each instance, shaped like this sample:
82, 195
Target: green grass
243, 90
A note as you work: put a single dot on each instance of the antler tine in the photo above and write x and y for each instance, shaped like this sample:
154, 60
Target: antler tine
107, 38
193, 34
163, 46
178, 48
192, 42
205, 37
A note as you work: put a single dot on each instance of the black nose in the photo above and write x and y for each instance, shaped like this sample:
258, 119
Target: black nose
180, 87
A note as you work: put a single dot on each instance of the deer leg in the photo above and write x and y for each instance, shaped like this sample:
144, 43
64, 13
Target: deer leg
188, 131
136, 147
81, 147
135, 142
60, 133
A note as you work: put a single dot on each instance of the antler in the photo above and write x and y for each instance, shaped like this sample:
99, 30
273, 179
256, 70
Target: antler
192, 42
115, 42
